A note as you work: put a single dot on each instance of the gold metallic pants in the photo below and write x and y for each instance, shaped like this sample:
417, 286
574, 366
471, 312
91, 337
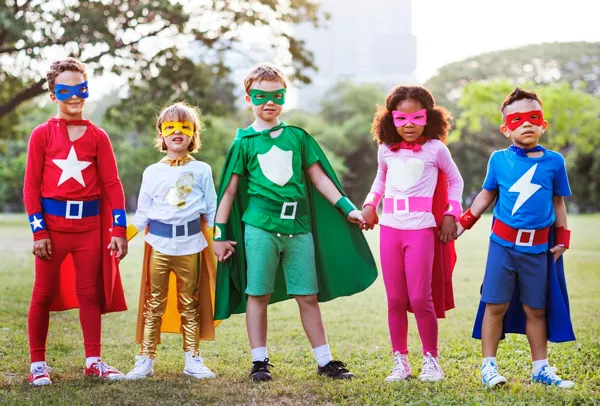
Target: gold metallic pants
187, 271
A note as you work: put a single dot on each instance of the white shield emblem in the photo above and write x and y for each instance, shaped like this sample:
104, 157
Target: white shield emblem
276, 165
404, 175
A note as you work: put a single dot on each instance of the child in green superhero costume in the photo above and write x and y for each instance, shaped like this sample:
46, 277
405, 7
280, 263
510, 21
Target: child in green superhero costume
284, 228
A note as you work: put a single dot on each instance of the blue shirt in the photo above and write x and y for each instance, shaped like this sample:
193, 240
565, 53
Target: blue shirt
525, 189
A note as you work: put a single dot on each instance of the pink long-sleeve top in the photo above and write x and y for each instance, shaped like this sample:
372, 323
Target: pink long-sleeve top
408, 174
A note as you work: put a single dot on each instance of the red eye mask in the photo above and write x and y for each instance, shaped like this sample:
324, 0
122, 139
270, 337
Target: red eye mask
515, 120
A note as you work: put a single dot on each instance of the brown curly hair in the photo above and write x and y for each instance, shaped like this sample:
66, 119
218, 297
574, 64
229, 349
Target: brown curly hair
64, 65
438, 118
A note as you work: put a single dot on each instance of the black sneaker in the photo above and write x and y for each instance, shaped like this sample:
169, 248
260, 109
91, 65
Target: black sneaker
335, 370
260, 371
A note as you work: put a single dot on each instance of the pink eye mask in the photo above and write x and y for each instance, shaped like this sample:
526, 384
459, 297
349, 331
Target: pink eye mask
417, 118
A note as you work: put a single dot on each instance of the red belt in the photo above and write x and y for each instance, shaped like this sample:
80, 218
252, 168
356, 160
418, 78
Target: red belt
520, 236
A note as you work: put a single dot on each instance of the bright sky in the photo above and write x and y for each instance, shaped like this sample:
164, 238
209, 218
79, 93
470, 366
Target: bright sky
451, 30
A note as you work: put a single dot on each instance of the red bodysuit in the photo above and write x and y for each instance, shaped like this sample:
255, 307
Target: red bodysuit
73, 196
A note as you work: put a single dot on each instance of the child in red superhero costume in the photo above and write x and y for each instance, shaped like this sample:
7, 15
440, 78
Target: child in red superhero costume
75, 201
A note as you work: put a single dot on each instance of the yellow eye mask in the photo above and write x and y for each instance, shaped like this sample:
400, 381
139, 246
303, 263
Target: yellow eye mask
169, 127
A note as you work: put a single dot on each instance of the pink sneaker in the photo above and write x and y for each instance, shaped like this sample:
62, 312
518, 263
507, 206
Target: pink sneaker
40, 376
401, 370
432, 371
103, 370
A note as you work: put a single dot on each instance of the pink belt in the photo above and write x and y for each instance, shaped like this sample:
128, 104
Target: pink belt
407, 204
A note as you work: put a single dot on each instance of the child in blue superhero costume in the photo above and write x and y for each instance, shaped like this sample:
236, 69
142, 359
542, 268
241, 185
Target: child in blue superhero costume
528, 238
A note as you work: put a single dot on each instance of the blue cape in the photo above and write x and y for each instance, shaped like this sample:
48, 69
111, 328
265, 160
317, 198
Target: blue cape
558, 316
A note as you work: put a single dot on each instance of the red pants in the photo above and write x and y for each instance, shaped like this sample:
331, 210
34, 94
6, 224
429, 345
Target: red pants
86, 251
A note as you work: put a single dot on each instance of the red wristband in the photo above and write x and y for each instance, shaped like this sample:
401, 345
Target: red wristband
468, 220
119, 231
40, 235
563, 237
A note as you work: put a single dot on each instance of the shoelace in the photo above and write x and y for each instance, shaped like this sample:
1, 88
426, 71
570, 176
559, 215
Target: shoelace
141, 361
338, 365
398, 365
550, 372
41, 370
260, 365
102, 367
430, 364
489, 372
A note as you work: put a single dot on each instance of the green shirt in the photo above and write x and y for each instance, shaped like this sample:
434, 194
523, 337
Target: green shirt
274, 169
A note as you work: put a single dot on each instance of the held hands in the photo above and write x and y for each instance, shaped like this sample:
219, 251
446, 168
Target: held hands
42, 249
448, 229
370, 216
224, 249
356, 217
118, 246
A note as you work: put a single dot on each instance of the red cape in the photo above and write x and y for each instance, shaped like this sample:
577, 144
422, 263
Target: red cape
445, 255
111, 289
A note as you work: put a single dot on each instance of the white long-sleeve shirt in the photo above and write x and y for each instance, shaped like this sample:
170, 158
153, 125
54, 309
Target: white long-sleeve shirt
176, 195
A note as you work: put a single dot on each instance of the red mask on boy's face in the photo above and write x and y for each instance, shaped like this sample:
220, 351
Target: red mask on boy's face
515, 120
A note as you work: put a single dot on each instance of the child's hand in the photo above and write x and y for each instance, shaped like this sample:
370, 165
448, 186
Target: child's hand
459, 229
370, 215
118, 245
42, 249
557, 251
356, 217
224, 249
448, 229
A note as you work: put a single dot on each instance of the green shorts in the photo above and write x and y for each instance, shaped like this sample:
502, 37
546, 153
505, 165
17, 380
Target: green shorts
266, 251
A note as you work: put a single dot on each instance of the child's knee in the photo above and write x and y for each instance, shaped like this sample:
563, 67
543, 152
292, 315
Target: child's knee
307, 300
496, 310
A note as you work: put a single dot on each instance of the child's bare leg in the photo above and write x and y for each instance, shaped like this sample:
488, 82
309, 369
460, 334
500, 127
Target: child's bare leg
312, 321
256, 320
491, 329
536, 332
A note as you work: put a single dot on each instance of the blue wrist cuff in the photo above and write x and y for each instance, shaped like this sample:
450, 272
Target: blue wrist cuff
119, 218
37, 223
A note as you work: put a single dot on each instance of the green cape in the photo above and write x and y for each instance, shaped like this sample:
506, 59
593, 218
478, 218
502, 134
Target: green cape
344, 262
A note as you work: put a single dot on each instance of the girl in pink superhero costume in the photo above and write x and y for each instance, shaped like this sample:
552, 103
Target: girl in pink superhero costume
412, 161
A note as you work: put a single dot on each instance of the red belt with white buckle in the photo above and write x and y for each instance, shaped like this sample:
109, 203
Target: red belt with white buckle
520, 236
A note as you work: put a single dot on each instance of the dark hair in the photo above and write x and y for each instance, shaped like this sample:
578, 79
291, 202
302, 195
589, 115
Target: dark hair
517, 95
438, 118
64, 65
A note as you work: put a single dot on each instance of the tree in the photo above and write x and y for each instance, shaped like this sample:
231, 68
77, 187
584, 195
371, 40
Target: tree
573, 130
131, 36
575, 63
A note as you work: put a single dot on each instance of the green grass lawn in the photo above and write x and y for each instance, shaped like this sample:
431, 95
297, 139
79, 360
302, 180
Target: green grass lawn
357, 329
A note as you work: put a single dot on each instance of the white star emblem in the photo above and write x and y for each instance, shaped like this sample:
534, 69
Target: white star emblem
71, 167
117, 218
36, 223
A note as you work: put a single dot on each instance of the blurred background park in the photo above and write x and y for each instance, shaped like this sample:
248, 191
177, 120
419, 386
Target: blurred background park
343, 56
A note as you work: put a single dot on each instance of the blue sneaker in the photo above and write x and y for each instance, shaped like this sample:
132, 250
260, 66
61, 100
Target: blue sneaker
490, 376
547, 376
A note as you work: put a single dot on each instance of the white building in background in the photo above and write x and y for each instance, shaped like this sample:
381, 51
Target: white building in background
365, 41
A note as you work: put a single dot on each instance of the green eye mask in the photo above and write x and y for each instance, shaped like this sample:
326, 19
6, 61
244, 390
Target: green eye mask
259, 97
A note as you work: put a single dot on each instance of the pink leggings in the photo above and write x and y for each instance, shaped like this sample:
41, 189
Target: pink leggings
407, 265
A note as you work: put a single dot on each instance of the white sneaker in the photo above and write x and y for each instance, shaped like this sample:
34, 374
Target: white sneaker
490, 376
142, 369
194, 366
431, 370
547, 376
401, 370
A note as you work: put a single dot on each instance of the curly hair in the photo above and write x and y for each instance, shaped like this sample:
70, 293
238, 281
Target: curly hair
64, 65
181, 112
438, 118
517, 95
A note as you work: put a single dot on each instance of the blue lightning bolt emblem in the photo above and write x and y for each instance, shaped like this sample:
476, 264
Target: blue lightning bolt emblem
525, 188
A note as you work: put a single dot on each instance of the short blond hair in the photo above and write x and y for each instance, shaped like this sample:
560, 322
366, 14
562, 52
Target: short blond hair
181, 111
264, 71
